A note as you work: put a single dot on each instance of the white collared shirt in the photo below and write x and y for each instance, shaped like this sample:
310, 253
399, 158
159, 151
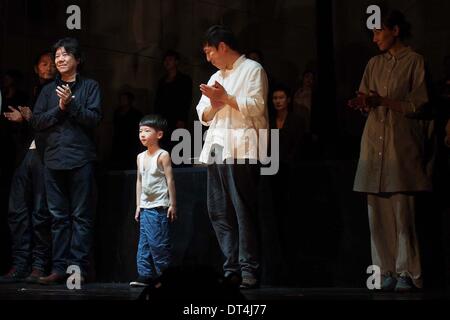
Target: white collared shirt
247, 81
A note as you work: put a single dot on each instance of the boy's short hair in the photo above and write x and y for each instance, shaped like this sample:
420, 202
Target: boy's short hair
154, 121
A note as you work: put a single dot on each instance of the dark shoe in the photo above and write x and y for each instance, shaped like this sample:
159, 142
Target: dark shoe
52, 279
233, 280
404, 284
141, 282
34, 276
13, 276
389, 283
249, 283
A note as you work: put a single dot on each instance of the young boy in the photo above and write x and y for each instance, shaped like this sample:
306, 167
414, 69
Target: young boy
155, 202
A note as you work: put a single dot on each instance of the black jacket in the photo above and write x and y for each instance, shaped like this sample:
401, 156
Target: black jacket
66, 138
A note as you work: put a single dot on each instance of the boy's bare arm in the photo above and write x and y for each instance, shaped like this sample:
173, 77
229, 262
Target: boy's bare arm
138, 192
166, 163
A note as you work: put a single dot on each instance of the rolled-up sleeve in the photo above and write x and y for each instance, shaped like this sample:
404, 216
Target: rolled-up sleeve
253, 105
205, 104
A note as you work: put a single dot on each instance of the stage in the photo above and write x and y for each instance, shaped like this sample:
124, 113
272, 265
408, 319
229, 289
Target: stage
328, 231
123, 292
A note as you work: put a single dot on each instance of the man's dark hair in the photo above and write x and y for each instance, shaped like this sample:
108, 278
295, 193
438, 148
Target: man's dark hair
287, 91
39, 57
154, 121
258, 53
72, 46
397, 18
309, 71
171, 53
281, 87
217, 34
129, 96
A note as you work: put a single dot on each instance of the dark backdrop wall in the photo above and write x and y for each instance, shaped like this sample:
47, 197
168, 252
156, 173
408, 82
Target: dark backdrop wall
124, 41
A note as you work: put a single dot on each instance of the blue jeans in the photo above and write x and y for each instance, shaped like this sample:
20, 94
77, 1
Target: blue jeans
154, 249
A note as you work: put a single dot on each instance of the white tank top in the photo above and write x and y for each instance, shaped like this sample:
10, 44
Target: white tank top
154, 192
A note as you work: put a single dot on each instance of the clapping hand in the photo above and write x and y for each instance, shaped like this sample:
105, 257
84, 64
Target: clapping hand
14, 115
26, 113
216, 94
65, 96
364, 102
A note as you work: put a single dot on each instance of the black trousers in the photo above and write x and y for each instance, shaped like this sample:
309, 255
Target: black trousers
71, 201
29, 219
232, 206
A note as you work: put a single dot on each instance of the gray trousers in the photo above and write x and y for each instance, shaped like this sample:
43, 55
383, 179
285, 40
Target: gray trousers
232, 206
395, 248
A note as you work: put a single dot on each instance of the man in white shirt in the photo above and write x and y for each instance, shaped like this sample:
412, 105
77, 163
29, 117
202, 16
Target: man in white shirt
233, 106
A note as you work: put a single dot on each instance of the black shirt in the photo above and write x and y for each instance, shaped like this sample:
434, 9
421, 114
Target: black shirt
291, 136
67, 137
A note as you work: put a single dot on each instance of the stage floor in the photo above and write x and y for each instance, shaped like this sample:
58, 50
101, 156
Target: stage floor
121, 291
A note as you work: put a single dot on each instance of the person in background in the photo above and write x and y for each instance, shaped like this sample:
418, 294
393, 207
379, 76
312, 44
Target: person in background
285, 183
304, 98
173, 96
126, 120
29, 219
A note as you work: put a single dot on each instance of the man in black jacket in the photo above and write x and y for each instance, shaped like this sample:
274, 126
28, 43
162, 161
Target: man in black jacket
65, 115
28, 218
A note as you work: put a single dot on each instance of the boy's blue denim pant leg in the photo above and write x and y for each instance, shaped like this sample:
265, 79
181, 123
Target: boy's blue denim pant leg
154, 250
